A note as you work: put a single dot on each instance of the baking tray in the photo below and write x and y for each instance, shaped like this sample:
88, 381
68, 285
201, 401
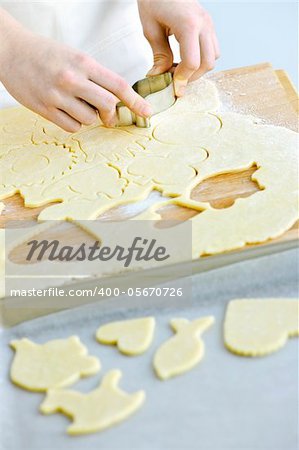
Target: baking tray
14, 310
225, 403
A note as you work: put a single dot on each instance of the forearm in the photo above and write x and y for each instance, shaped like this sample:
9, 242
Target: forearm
58, 82
9, 30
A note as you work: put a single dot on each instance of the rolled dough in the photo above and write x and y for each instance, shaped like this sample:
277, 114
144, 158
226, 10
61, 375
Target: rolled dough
98, 168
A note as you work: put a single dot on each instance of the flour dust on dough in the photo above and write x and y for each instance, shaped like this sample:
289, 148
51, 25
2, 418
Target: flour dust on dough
101, 408
132, 337
184, 350
99, 168
257, 327
57, 363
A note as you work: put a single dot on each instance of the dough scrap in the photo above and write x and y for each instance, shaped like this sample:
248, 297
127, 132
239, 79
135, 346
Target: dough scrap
99, 168
99, 409
132, 337
256, 327
57, 363
184, 350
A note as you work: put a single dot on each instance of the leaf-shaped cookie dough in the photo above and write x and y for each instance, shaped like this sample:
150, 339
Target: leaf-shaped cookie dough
97, 410
183, 351
256, 327
132, 337
57, 363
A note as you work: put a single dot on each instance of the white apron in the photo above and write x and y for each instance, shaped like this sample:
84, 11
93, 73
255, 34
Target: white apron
108, 30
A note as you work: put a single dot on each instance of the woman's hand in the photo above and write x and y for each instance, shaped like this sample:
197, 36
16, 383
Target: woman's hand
193, 29
61, 84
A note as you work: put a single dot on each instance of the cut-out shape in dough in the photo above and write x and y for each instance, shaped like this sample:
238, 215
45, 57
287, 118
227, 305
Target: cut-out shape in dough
132, 337
190, 127
256, 327
29, 164
221, 191
57, 363
182, 351
161, 170
99, 409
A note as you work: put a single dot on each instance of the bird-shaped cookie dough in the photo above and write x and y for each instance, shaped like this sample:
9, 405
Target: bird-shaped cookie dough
184, 350
99, 409
57, 363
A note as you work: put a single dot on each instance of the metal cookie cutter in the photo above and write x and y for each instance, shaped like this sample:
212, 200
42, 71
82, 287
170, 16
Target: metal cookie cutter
158, 91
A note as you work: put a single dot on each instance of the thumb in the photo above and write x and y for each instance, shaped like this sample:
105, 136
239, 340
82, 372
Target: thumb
162, 53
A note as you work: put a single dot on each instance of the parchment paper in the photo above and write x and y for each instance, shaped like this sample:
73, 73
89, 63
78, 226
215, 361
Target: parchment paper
226, 403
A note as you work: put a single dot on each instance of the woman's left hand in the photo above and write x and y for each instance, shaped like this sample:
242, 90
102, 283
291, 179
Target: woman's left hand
192, 27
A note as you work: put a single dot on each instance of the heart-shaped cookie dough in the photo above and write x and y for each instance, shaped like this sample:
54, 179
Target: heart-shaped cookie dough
132, 337
256, 327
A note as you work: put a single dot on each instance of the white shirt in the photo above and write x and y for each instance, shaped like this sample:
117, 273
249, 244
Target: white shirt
108, 30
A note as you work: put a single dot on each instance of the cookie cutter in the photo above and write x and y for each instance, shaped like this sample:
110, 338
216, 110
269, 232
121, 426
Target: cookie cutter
158, 91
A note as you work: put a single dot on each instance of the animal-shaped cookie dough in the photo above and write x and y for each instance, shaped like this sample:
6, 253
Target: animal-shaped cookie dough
132, 337
183, 351
99, 409
57, 363
256, 327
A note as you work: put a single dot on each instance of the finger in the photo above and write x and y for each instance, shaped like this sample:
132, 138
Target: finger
207, 56
216, 46
215, 40
62, 119
102, 100
163, 57
115, 84
173, 67
79, 110
190, 61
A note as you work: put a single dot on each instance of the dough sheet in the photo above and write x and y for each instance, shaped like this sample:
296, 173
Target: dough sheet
99, 168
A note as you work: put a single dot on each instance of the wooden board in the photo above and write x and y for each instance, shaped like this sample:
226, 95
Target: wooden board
258, 90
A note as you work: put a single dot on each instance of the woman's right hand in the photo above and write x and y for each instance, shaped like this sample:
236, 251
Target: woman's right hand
62, 84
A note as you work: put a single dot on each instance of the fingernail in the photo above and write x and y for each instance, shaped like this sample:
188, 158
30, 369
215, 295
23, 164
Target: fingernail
111, 124
180, 87
154, 71
146, 111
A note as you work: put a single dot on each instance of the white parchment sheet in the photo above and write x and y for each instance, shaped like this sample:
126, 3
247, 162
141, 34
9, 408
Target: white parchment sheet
225, 403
